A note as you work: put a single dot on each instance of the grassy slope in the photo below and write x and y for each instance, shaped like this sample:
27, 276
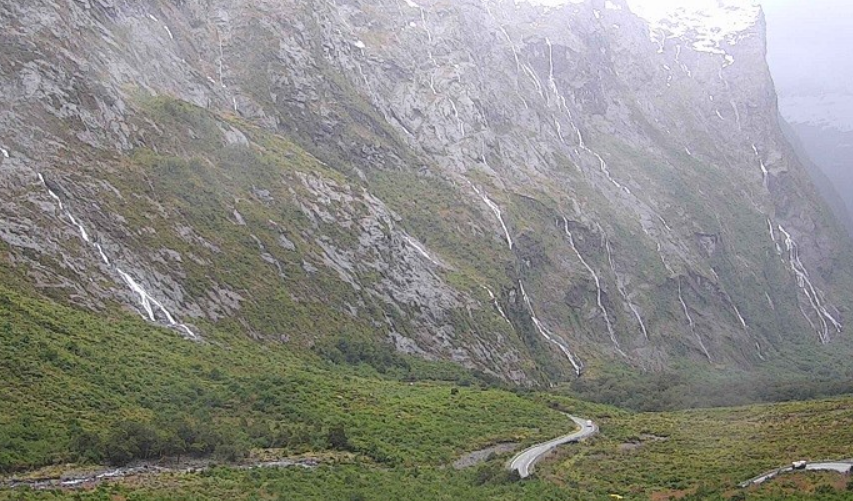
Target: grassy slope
345, 483
699, 454
708, 452
62, 368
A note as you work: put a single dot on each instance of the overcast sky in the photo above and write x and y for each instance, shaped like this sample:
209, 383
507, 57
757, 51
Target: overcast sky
810, 43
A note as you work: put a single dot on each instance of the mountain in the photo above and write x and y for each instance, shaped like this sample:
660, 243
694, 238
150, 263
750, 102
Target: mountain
807, 55
535, 192
823, 126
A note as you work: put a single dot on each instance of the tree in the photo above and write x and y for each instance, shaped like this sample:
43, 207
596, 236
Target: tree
86, 445
128, 440
337, 438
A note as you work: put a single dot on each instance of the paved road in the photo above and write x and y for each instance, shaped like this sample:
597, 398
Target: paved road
523, 463
844, 466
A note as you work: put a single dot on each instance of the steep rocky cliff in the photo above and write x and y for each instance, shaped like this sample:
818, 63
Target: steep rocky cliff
534, 192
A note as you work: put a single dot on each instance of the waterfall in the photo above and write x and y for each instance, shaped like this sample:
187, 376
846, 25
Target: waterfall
691, 323
146, 301
597, 287
578, 366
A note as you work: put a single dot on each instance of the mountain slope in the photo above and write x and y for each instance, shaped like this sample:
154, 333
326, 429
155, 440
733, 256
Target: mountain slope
533, 192
81, 388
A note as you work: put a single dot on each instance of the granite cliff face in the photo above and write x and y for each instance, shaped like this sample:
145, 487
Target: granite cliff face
534, 192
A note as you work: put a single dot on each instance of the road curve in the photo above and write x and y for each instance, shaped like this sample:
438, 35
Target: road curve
844, 466
525, 460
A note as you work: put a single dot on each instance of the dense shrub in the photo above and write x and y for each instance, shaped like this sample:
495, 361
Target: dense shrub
129, 440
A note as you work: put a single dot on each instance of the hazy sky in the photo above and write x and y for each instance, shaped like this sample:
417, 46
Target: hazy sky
809, 41
810, 44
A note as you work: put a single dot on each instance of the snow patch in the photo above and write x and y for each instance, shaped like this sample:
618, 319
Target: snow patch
548, 3
707, 23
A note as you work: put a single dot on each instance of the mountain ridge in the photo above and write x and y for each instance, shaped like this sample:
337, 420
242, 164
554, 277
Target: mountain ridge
530, 192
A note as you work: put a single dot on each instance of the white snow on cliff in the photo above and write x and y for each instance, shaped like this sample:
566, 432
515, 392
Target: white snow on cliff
548, 3
707, 24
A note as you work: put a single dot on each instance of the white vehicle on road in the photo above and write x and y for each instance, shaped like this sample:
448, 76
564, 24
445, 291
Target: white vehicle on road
523, 462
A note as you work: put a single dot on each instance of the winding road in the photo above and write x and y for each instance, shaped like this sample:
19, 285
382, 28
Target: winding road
523, 462
844, 466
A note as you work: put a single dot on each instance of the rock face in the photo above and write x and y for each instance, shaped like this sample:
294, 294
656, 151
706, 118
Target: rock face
534, 192
814, 81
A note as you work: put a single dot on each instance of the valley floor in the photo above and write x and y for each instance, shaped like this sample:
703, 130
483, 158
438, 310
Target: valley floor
81, 389
701, 454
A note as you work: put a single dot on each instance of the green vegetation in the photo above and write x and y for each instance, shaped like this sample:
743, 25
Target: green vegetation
87, 389
370, 359
700, 388
706, 453
345, 483
110, 389
80, 387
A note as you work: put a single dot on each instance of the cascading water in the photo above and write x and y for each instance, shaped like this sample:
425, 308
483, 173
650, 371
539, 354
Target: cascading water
420, 248
543, 331
497, 211
764, 171
737, 115
811, 292
680, 64
576, 363
597, 281
773, 237
624, 293
104, 257
692, 324
561, 103
497, 304
146, 301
